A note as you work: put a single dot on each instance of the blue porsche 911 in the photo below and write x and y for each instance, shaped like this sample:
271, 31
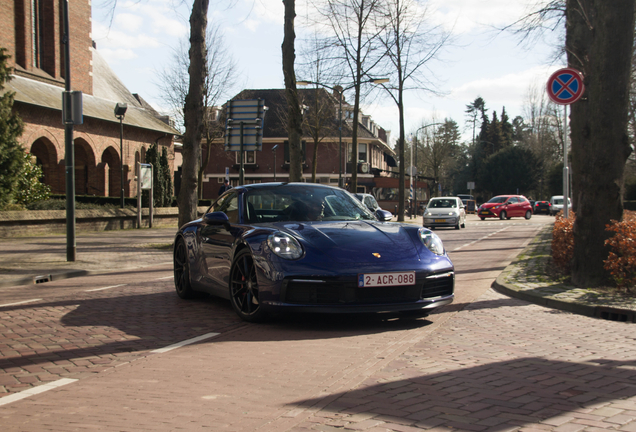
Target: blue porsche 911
276, 247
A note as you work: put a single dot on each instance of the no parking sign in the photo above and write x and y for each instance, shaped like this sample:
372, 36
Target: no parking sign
565, 86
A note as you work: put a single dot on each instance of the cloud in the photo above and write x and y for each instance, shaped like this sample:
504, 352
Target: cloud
464, 16
117, 55
506, 90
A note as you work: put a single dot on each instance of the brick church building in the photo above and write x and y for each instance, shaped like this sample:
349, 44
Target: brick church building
31, 31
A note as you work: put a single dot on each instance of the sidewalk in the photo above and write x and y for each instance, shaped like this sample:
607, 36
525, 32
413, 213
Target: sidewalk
526, 279
38, 259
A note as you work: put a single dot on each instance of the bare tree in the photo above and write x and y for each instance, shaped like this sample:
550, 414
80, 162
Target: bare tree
221, 76
410, 46
193, 113
542, 134
599, 42
353, 26
320, 118
599, 37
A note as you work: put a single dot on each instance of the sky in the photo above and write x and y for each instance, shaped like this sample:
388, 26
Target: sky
139, 39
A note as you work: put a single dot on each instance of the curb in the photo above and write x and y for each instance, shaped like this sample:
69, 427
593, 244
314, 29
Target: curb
611, 313
36, 280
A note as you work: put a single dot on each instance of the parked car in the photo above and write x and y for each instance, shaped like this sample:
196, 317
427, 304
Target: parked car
542, 207
506, 207
556, 203
444, 212
369, 201
465, 198
275, 247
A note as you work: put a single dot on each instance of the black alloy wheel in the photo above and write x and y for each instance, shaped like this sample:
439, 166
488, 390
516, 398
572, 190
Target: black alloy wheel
502, 215
244, 293
182, 271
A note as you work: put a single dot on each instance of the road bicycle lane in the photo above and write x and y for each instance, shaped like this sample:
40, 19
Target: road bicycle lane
247, 378
76, 328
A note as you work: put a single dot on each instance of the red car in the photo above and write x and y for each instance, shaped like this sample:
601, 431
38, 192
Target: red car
506, 207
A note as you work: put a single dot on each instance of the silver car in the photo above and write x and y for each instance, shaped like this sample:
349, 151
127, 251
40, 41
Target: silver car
445, 212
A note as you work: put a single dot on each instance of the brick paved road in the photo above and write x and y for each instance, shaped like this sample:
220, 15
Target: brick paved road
486, 362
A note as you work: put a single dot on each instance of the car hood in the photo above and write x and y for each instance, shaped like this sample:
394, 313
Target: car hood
355, 241
490, 205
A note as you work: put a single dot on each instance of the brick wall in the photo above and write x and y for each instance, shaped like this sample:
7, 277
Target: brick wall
97, 151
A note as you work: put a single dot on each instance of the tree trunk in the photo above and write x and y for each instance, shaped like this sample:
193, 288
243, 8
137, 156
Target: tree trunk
193, 113
599, 38
295, 117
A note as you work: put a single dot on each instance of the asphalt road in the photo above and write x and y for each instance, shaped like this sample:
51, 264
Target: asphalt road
103, 352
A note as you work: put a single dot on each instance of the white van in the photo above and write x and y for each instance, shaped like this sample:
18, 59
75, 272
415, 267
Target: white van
556, 204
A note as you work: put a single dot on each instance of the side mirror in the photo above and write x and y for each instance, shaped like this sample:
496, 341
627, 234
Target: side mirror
383, 215
216, 218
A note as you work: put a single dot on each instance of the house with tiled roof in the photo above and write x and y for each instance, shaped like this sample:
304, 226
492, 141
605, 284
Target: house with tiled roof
31, 34
375, 159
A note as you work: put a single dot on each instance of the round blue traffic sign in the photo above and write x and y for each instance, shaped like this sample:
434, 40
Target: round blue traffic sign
565, 86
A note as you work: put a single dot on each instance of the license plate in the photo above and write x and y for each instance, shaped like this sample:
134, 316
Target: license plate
440, 220
386, 279
484, 212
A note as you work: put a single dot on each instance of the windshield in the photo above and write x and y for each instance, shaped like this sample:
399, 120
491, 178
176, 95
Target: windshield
442, 203
300, 203
498, 200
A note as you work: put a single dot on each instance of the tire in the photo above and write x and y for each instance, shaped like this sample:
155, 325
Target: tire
502, 215
182, 271
457, 226
482, 218
244, 294
528, 214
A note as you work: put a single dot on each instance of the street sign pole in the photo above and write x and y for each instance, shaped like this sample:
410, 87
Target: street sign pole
566, 169
565, 87
241, 155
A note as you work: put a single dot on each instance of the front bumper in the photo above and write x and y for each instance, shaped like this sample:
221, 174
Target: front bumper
342, 295
432, 221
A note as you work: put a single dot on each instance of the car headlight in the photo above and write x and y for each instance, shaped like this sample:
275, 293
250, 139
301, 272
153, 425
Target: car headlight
431, 241
285, 246
429, 214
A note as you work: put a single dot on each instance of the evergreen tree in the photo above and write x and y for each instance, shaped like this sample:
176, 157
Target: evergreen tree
167, 178
30, 187
161, 178
506, 129
11, 152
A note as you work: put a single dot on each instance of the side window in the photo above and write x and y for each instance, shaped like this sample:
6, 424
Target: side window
512, 200
229, 206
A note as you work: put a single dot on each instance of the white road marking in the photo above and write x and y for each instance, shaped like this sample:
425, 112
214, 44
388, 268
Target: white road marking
105, 288
184, 343
479, 239
35, 390
167, 277
19, 303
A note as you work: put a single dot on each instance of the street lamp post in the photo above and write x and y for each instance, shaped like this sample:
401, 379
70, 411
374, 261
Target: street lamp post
274, 151
120, 112
340, 91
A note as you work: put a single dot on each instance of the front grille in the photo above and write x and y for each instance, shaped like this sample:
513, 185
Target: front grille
337, 292
437, 285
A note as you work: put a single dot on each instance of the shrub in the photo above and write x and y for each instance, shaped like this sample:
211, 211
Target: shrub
563, 241
621, 262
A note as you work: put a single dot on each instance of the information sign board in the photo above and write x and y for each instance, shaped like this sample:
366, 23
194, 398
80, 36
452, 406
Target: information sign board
244, 123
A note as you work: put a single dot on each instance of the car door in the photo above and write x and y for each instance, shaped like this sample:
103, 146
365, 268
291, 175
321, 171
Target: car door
216, 244
512, 207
